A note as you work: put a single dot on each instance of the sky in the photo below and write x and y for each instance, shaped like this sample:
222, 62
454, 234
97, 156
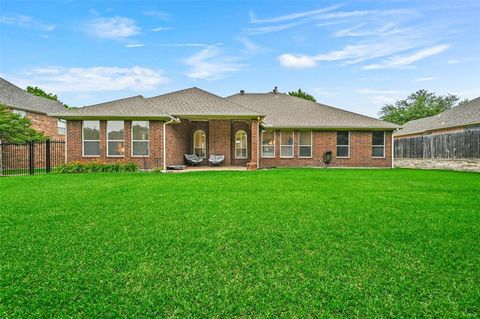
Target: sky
356, 55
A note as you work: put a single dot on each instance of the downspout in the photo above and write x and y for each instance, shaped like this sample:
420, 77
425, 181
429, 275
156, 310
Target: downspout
393, 151
258, 141
172, 120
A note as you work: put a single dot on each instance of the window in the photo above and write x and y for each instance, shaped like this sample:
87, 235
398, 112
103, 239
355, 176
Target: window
268, 144
241, 144
378, 144
305, 144
200, 143
286, 144
20, 112
91, 138
140, 138
115, 138
343, 144
62, 126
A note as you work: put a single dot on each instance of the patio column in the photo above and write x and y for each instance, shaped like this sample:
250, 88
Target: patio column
254, 160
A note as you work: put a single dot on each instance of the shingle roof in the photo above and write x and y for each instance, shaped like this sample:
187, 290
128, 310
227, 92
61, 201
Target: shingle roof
130, 107
196, 102
285, 111
461, 115
13, 96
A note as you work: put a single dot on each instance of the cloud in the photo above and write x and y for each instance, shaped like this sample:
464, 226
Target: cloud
157, 14
159, 29
453, 61
357, 31
26, 22
186, 45
376, 91
275, 28
407, 60
250, 47
292, 16
93, 79
291, 61
424, 79
112, 28
134, 45
210, 64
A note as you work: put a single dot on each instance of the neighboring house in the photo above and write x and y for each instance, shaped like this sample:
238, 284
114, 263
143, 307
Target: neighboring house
463, 117
34, 108
263, 130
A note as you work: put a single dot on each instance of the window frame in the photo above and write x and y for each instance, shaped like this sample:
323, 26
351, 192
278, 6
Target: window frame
274, 144
384, 145
132, 140
193, 144
22, 113
84, 140
342, 145
300, 145
64, 128
246, 145
292, 146
109, 140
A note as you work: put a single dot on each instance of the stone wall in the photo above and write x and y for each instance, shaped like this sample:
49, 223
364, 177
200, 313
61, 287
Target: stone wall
471, 165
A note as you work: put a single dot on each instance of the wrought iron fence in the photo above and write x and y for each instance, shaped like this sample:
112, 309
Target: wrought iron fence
31, 158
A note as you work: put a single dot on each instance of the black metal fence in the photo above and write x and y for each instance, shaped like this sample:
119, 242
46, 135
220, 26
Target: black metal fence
31, 158
442, 146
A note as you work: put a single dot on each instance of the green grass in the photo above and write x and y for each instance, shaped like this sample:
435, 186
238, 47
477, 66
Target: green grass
278, 243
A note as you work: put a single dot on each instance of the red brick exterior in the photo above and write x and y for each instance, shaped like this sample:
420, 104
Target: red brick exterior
45, 124
154, 160
220, 136
323, 141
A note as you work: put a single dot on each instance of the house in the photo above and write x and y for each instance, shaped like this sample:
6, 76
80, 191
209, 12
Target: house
463, 117
258, 130
34, 108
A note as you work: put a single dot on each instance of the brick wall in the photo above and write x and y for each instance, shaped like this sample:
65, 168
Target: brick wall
323, 141
154, 160
45, 124
235, 127
178, 142
219, 139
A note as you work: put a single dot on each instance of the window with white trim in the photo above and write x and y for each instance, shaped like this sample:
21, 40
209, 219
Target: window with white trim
241, 144
62, 126
91, 138
140, 138
343, 144
305, 144
200, 143
115, 138
19, 112
268, 144
286, 144
378, 144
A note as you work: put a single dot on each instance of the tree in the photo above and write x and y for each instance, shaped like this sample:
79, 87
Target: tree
39, 92
302, 94
15, 128
416, 106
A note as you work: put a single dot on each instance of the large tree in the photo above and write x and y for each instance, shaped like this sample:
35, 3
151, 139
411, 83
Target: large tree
416, 106
303, 95
16, 128
39, 92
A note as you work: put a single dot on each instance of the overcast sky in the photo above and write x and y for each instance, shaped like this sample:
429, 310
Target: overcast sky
355, 55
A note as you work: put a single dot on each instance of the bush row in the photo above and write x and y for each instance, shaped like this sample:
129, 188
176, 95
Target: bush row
96, 167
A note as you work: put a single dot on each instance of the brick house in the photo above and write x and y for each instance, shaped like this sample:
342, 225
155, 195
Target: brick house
35, 108
262, 130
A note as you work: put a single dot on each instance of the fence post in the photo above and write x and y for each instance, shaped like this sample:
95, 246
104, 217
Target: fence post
1, 158
31, 157
47, 156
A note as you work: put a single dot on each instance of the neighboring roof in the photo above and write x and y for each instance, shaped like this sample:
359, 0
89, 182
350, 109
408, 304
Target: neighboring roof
135, 107
285, 111
194, 102
462, 115
14, 97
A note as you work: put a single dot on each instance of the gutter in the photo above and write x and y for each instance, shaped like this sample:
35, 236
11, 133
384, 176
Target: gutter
175, 120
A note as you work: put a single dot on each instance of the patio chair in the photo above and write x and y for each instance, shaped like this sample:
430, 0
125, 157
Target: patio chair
216, 159
193, 159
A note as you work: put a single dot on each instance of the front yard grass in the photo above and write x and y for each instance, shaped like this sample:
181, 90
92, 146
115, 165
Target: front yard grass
276, 243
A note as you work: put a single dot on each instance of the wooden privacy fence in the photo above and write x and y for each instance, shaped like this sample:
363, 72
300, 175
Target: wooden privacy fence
31, 158
443, 146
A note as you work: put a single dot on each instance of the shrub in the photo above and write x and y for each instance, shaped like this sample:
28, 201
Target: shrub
96, 167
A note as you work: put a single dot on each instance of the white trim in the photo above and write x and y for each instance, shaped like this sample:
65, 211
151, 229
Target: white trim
287, 145
336, 145
384, 145
108, 140
258, 143
311, 145
274, 142
246, 147
393, 144
66, 141
193, 144
132, 140
99, 138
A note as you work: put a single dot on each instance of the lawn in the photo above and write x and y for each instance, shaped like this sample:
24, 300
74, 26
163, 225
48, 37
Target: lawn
276, 243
